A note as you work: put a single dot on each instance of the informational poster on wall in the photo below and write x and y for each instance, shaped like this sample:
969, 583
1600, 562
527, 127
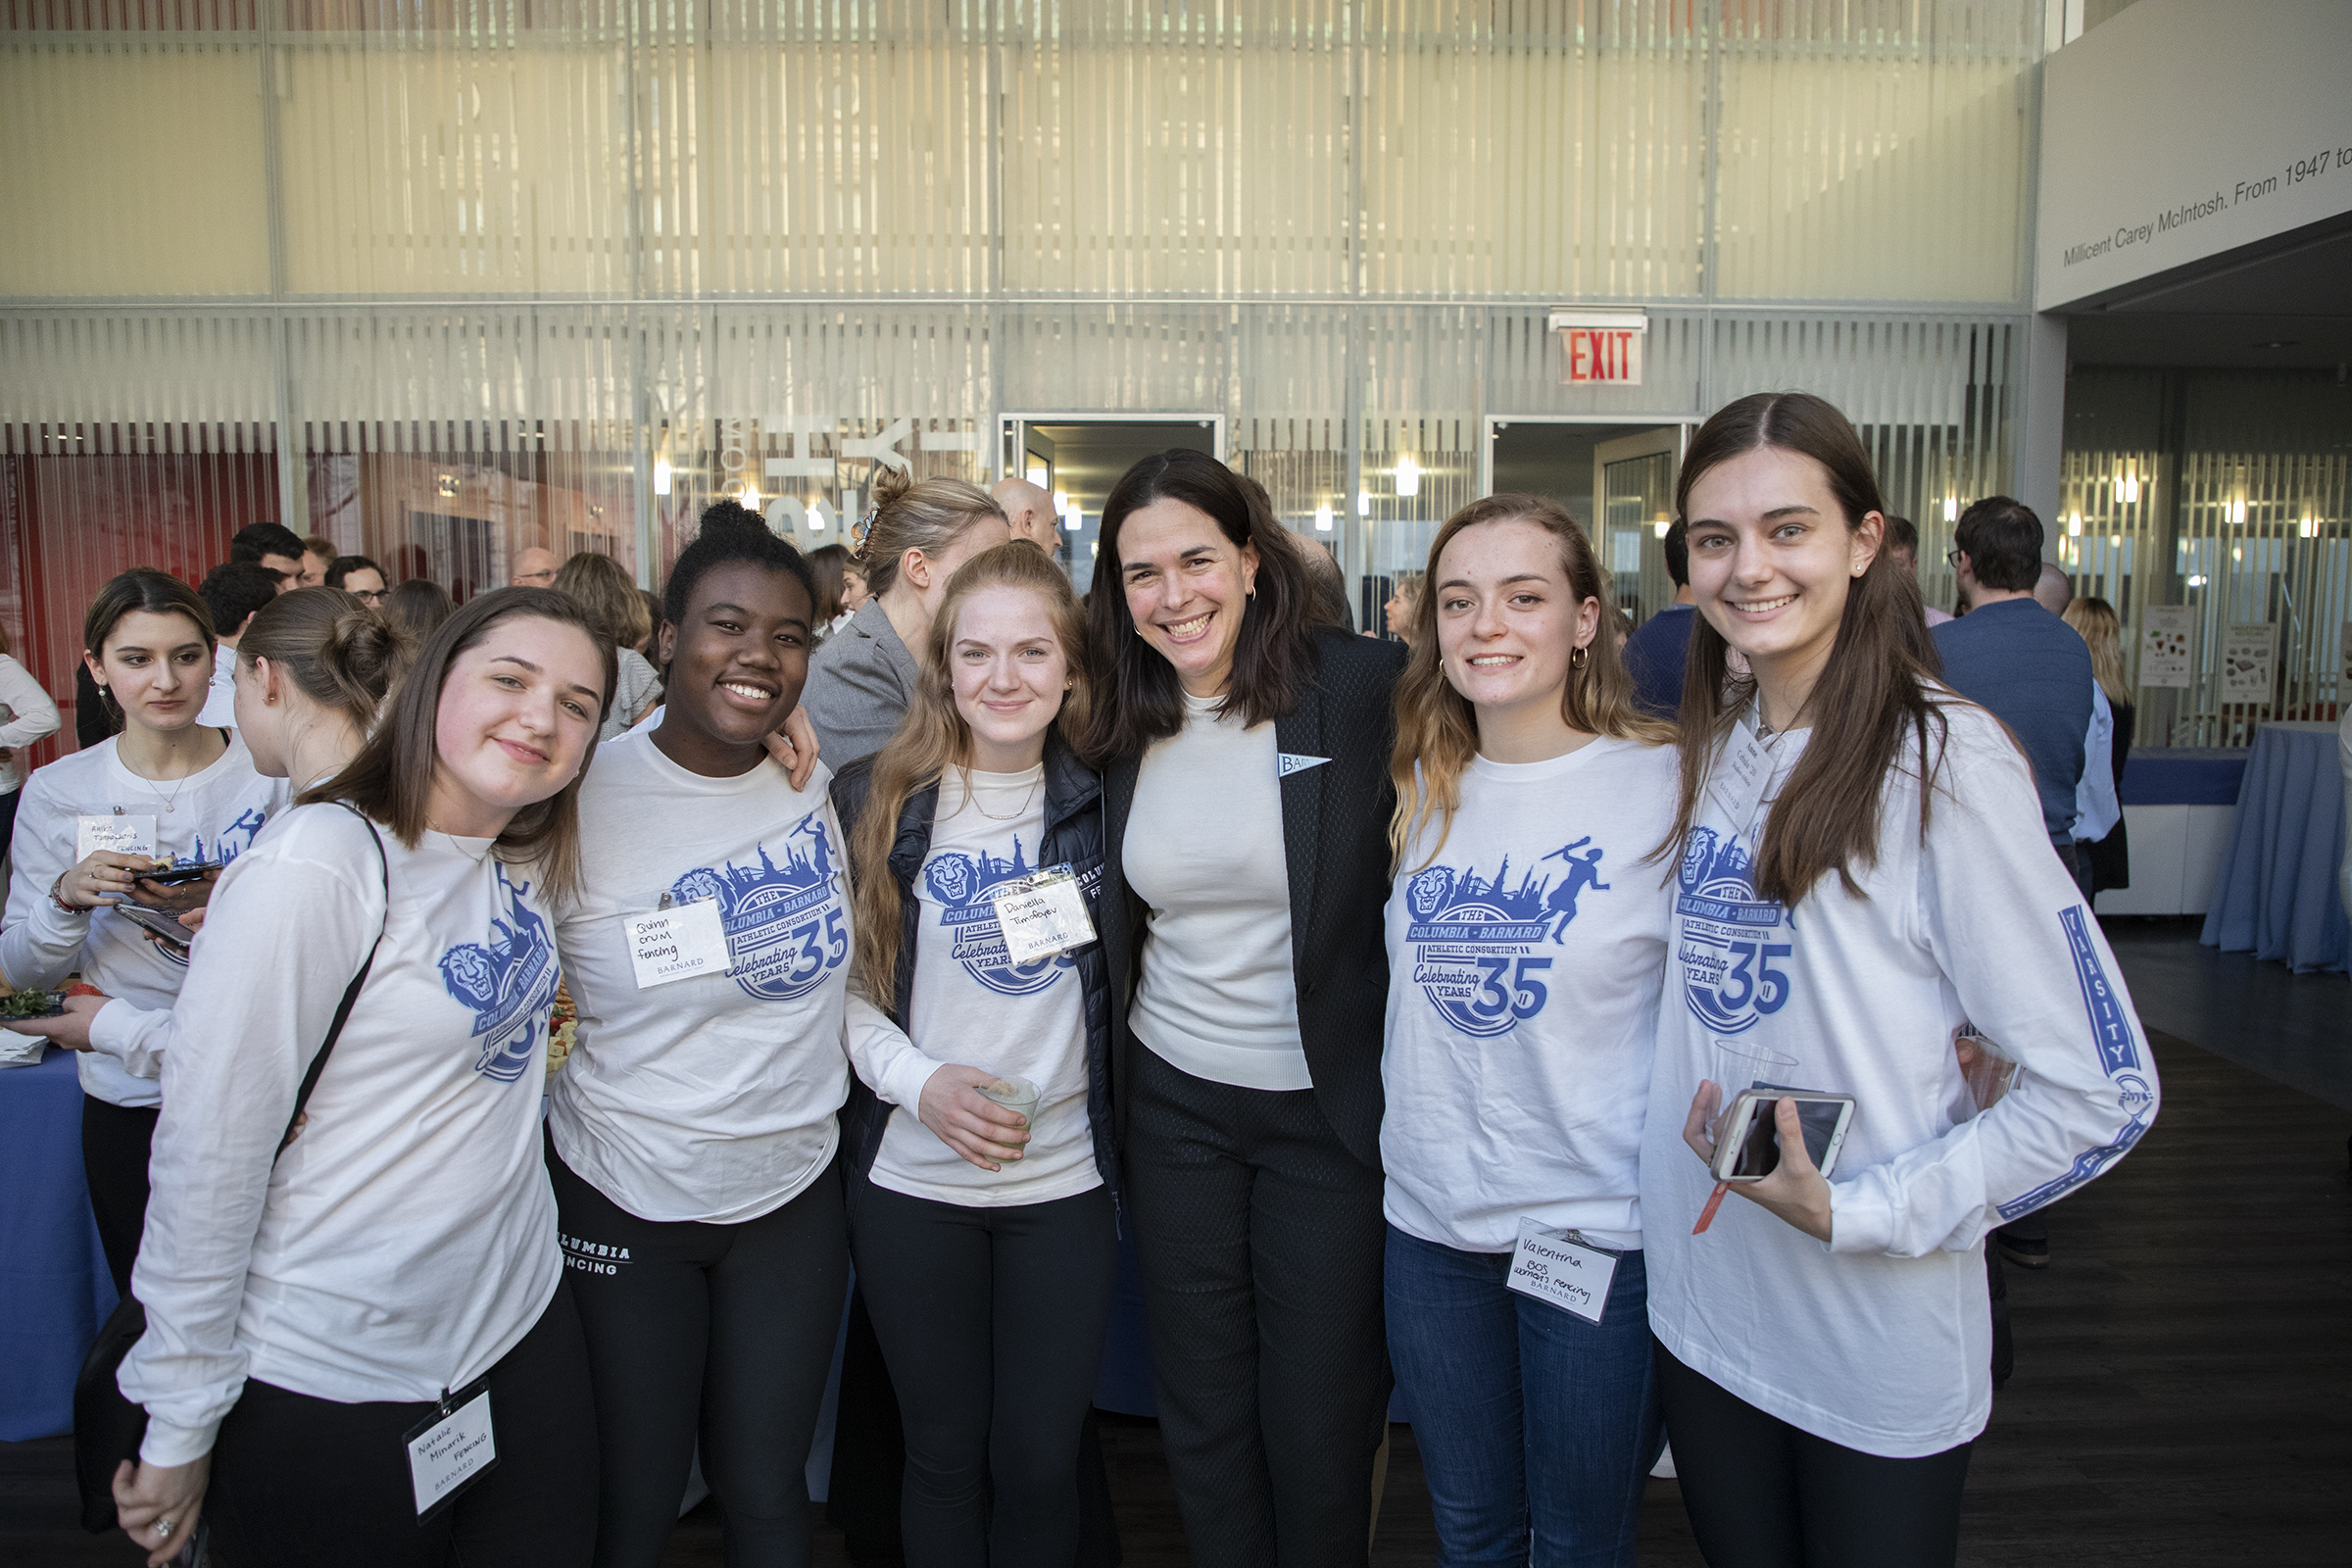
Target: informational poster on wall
2164, 641
2250, 653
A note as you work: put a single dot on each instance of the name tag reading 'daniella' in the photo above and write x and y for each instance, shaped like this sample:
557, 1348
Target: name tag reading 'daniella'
118, 832
449, 1451
1550, 1266
1041, 915
678, 942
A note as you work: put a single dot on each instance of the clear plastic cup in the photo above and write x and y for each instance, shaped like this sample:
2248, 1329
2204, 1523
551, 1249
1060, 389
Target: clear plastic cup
1743, 1064
1017, 1094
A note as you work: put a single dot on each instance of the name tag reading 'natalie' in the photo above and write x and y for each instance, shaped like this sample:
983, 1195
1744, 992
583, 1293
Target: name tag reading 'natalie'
1041, 915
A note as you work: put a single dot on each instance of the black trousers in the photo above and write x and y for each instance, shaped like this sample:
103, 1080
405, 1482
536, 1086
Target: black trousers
1261, 1243
992, 1322
299, 1481
1762, 1493
114, 1144
719, 1332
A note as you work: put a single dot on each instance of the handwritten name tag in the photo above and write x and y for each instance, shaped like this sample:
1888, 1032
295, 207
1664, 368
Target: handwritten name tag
1041, 915
120, 834
677, 943
448, 1452
1571, 1276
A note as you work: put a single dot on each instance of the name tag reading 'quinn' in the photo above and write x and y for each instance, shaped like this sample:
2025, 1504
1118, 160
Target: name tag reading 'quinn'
1041, 915
677, 943
1571, 1276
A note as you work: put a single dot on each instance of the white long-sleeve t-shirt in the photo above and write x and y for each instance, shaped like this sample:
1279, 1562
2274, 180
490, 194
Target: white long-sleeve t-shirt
212, 816
407, 1239
972, 1004
1882, 1338
1525, 962
1204, 852
28, 715
710, 1098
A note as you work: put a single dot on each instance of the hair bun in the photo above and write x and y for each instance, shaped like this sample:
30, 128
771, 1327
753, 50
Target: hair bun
890, 485
364, 649
724, 520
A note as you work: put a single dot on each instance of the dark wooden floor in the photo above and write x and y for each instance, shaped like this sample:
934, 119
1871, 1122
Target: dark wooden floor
2182, 1394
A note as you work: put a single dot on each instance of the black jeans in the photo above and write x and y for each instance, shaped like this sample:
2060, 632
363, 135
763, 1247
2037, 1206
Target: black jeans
1261, 1243
721, 1332
115, 1141
299, 1481
1762, 1493
992, 1322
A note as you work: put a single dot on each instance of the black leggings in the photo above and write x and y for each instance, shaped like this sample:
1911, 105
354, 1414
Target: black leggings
115, 1144
300, 1481
968, 1301
719, 1332
1762, 1493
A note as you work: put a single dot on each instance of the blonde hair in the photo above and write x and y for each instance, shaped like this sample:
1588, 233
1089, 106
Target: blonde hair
1436, 728
934, 737
608, 593
910, 516
2102, 633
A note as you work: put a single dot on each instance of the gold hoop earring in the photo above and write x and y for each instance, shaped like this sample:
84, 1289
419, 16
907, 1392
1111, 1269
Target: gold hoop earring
1578, 657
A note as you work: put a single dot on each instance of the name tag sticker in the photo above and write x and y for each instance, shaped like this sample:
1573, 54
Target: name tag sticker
1740, 775
449, 1451
118, 833
1551, 1267
1041, 915
678, 942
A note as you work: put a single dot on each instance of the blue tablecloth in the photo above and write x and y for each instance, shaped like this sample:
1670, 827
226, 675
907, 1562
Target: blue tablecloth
2183, 775
54, 1287
2276, 895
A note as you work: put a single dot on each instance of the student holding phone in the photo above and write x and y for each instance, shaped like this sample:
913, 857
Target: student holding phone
89, 823
691, 1134
1527, 947
1858, 866
980, 1155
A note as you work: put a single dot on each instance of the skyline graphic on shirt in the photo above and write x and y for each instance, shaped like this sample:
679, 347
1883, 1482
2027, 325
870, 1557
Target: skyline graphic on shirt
1478, 941
231, 842
1724, 933
786, 926
960, 885
508, 982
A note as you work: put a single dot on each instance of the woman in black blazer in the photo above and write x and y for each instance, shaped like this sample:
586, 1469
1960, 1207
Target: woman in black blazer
1245, 752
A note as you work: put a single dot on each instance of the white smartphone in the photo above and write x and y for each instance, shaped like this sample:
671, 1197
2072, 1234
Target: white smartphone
1749, 1147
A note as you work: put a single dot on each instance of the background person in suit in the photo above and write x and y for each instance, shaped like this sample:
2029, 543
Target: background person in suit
1245, 756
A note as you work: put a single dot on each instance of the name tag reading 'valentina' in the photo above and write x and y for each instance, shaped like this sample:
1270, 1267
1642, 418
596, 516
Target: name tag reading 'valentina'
1568, 1274
675, 943
1041, 915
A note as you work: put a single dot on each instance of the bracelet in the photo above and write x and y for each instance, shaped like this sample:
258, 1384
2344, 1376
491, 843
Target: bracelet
56, 899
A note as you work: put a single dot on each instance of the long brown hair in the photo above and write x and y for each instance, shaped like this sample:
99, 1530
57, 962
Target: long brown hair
1436, 728
1140, 698
934, 737
335, 651
610, 594
1872, 699
391, 779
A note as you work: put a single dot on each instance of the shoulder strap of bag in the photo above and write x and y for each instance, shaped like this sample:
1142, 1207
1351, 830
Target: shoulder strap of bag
351, 992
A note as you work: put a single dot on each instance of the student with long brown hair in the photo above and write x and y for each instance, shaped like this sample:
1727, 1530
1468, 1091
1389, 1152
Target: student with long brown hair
1245, 757
313, 1309
984, 1236
1527, 949
1859, 868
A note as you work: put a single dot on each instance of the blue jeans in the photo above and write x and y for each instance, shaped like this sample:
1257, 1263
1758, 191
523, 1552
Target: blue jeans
1537, 1429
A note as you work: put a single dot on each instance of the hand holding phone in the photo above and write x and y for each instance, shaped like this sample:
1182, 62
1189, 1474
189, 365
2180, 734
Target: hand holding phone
1795, 1189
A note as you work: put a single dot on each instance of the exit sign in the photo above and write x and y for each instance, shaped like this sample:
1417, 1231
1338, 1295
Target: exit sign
1601, 347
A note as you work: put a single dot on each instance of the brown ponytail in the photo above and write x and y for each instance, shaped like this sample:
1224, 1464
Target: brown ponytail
337, 652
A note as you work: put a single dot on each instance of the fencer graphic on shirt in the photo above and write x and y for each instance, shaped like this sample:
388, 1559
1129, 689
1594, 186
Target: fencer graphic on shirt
1727, 949
231, 842
786, 925
510, 983
961, 883
1477, 943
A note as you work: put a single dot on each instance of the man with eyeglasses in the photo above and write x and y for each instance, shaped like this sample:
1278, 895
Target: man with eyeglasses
534, 567
359, 577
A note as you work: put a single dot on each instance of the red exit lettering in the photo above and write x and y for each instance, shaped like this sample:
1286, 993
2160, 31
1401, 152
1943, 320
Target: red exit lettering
1604, 353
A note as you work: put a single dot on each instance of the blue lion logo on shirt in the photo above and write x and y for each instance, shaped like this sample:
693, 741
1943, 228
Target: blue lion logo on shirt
960, 885
510, 983
785, 924
1729, 981
1475, 939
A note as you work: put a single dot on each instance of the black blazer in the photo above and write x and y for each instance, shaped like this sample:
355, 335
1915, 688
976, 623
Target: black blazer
1335, 832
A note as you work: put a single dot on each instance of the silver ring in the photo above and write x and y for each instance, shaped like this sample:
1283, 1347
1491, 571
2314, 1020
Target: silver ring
162, 1528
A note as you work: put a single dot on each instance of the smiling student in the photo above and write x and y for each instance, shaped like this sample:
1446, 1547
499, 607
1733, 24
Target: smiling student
1244, 753
164, 786
1860, 868
691, 1134
985, 1240
314, 1305
1527, 947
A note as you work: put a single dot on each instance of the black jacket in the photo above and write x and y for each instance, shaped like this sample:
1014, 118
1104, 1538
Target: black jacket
1074, 837
1335, 834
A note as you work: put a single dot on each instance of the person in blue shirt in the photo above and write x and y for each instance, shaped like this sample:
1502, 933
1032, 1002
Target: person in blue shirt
1654, 653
